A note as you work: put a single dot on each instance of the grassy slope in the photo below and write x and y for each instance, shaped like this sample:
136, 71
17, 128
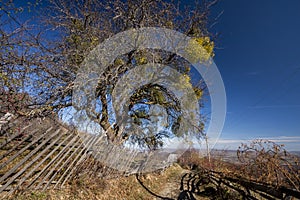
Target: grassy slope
163, 183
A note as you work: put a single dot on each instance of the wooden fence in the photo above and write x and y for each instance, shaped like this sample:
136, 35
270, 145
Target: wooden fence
40, 154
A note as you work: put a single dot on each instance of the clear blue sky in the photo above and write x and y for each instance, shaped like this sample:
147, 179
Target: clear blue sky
259, 59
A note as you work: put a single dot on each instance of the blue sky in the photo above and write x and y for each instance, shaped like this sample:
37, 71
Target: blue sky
259, 59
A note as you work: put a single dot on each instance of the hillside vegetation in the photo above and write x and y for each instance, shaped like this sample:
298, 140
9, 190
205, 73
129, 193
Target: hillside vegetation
264, 170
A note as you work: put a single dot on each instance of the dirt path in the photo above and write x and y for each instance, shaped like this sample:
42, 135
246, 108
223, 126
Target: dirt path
173, 189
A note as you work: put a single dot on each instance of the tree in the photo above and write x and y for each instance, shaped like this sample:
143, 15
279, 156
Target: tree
79, 26
15, 59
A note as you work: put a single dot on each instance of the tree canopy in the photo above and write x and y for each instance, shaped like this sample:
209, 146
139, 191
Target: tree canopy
43, 62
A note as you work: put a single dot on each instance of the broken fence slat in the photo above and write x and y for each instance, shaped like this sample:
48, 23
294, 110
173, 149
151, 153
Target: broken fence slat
40, 163
14, 136
93, 140
56, 165
53, 160
74, 160
20, 152
15, 147
23, 161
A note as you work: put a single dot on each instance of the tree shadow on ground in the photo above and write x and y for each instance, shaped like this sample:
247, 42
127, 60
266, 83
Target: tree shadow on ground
193, 184
212, 185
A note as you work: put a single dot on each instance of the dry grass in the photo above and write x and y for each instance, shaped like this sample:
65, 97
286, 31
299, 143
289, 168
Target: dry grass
269, 162
87, 187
